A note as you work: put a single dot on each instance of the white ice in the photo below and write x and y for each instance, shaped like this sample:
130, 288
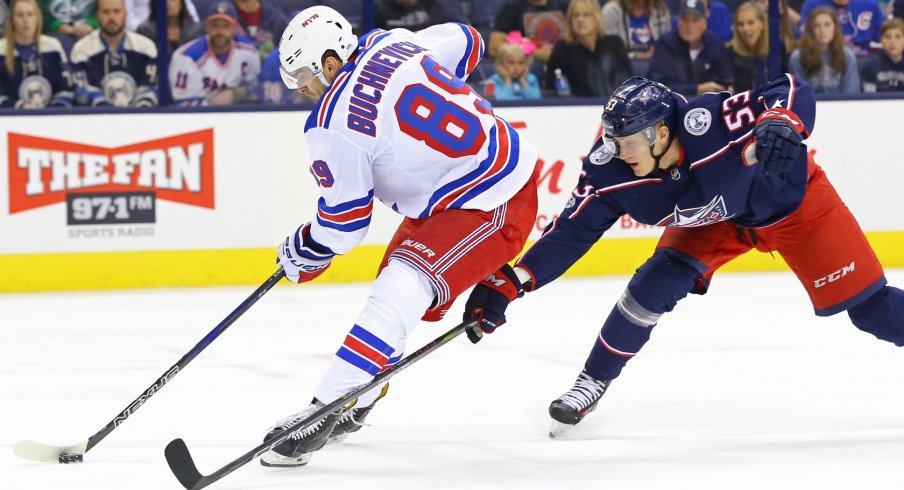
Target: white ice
743, 388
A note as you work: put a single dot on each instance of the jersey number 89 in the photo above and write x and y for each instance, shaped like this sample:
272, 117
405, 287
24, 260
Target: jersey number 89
443, 125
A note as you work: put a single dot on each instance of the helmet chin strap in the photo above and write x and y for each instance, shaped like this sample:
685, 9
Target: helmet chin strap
657, 158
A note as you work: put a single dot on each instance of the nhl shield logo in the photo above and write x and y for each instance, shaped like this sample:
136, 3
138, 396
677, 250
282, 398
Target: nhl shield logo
697, 121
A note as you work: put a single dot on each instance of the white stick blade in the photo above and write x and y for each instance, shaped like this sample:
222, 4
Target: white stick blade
35, 451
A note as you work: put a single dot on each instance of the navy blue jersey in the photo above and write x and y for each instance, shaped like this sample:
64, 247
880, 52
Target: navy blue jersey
41, 77
881, 74
124, 76
712, 182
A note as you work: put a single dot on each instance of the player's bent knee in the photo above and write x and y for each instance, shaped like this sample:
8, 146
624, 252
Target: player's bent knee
661, 282
399, 297
882, 315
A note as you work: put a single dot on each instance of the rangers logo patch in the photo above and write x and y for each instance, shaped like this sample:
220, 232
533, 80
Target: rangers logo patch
697, 121
600, 156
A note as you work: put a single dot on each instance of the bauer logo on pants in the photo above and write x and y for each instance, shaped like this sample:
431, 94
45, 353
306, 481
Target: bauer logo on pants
43, 171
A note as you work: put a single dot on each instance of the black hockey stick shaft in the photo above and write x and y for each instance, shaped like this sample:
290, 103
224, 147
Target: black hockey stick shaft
183, 466
187, 358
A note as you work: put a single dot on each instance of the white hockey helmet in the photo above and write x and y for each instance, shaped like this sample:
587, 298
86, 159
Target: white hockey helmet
314, 31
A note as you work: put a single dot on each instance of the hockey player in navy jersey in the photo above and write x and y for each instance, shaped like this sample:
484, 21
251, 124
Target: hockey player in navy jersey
725, 174
395, 122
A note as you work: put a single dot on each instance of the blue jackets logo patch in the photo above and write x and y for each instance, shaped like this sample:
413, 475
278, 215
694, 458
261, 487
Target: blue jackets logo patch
713, 212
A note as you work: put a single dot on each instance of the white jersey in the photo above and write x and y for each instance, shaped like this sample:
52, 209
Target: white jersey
196, 72
399, 124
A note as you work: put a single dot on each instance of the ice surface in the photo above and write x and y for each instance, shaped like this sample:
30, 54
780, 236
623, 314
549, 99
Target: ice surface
743, 388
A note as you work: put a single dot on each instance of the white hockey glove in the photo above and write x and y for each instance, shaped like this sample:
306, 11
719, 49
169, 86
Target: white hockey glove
300, 258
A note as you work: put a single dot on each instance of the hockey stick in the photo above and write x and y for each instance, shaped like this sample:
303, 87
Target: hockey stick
74, 453
183, 466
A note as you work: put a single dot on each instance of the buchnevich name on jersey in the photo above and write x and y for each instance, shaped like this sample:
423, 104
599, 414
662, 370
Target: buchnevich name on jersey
371, 82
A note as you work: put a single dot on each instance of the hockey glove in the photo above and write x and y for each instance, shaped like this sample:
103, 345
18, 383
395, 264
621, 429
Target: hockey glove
778, 139
300, 257
488, 302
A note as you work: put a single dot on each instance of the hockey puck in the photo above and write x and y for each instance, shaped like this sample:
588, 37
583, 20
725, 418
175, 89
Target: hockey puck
67, 458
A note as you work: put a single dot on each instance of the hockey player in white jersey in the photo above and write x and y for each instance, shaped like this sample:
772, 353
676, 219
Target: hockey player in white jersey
395, 122
219, 68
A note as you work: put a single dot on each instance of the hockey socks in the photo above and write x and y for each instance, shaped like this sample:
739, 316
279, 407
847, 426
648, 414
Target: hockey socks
655, 289
882, 315
399, 297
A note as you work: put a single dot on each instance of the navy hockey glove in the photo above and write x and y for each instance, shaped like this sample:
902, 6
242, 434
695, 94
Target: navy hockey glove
300, 257
778, 138
488, 301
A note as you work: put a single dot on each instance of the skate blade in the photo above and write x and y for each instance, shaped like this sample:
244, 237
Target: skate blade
272, 459
336, 439
557, 428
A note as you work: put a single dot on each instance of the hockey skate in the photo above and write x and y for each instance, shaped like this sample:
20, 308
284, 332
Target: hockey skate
351, 418
300, 446
576, 403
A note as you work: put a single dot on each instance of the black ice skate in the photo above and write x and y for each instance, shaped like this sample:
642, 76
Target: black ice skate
300, 446
351, 419
581, 399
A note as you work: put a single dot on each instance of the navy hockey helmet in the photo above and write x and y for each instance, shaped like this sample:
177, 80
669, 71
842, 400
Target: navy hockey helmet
638, 104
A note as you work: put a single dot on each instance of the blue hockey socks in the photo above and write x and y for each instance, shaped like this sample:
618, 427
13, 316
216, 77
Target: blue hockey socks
655, 289
882, 315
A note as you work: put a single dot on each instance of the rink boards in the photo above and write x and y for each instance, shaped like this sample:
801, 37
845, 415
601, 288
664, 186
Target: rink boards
192, 199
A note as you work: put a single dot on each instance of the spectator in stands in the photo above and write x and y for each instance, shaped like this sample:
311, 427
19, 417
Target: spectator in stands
542, 21
593, 63
884, 70
141, 10
639, 23
69, 20
860, 21
822, 58
262, 22
113, 66
691, 60
272, 88
180, 26
512, 80
718, 17
34, 70
749, 48
220, 68
413, 15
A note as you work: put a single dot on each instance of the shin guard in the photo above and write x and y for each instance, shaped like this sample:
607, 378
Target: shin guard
655, 289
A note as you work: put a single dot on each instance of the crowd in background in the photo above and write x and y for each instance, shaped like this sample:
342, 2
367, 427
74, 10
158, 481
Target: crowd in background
60, 53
